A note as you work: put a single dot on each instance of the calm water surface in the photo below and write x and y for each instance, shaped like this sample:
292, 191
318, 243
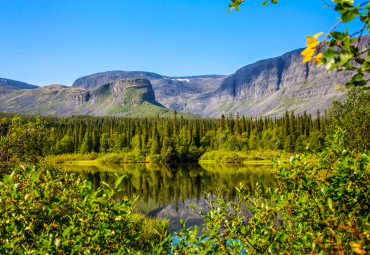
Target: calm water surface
168, 191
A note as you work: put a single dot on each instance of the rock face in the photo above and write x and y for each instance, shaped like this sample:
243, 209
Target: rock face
121, 97
270, 87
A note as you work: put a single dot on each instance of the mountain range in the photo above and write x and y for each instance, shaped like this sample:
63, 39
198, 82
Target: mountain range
266, 88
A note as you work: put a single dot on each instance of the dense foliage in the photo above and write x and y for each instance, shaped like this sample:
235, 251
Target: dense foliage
320, 206
324, 206
352, 116
47, 210
23, 142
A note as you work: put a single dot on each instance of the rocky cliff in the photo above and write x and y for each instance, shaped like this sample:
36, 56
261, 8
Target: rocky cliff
270, 87
98, 79
132, 97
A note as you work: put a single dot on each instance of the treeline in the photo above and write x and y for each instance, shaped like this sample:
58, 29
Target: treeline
185, 139
180, 139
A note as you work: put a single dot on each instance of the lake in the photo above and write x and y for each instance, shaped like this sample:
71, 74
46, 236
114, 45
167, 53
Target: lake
168, 191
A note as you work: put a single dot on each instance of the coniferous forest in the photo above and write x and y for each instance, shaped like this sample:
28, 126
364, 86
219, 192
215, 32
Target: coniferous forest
180, 139
187, 139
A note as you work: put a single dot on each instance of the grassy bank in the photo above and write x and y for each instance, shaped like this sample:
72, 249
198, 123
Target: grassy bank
247, 157
254, 157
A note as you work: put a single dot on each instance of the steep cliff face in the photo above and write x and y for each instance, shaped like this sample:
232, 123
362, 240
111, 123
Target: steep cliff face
121, 97
272, 86
133, 91
286, 72
259, 79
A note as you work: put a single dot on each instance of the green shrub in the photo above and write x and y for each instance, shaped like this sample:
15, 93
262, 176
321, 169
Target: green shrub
209, 155
47, 210
231, 157
24, 142
154, 158
112, 158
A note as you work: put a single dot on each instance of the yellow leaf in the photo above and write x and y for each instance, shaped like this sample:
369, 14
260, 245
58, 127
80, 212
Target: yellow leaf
308, 52
317, 35
359, 251
312, 42
304, 52
317, 58
307, 58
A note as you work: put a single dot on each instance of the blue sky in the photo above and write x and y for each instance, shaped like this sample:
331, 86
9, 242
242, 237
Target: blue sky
57, 41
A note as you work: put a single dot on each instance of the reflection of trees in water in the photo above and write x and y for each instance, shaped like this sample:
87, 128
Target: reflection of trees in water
165, 184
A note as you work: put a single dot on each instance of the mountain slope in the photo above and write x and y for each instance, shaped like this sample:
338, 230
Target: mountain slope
129, 97
172, 92
272, 86
12, 84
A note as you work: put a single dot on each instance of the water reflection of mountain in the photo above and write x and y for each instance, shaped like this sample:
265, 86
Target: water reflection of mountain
184, 211
168, 191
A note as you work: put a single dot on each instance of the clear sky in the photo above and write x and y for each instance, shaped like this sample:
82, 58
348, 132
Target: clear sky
57, 41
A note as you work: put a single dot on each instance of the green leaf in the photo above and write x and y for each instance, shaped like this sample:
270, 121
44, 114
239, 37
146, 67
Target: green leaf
282, 238
119, 180
348, 16
330, 203
66, 231
330, 53
7, 179
358, 76
35, 176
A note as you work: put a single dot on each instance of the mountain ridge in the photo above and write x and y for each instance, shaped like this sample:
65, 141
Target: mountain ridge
13, 84
267, 87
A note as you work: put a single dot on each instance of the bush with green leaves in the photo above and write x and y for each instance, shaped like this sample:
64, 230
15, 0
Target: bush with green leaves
24, 142
46, 210
324, 206
353, 116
